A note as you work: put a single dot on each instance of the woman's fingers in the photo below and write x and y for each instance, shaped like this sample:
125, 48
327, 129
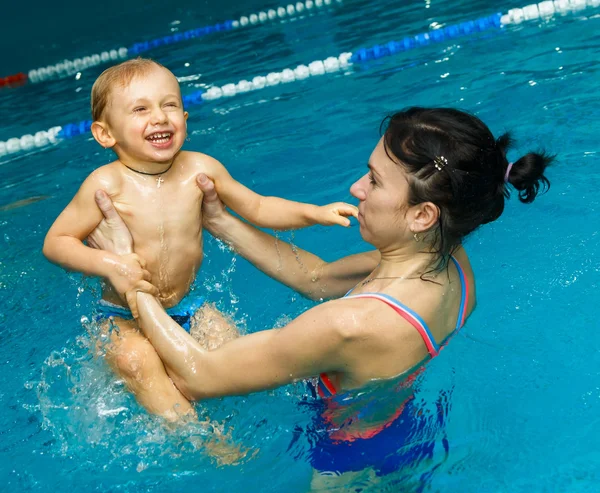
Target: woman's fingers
92, 243
106, 206
131, 295
212, 206
131, 298
207, 186
112, 233
146, 287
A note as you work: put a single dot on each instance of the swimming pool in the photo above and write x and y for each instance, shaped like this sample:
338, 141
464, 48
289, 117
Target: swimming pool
523, 378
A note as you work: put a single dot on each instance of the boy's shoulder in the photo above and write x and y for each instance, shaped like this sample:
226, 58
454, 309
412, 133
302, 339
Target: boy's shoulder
197, 162
107, 177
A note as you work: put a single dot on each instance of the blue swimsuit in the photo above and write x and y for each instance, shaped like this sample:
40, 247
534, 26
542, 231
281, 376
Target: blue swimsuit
389, 446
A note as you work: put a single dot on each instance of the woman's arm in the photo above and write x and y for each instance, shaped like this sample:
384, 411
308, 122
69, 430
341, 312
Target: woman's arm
271, 212
315, 342
294, 267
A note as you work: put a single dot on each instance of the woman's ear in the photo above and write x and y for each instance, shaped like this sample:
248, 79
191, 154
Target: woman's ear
102, 134
425, 217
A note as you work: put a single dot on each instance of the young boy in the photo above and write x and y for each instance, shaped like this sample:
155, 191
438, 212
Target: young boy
138, 113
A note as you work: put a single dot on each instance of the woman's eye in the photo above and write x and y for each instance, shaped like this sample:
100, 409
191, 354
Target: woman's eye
372, 180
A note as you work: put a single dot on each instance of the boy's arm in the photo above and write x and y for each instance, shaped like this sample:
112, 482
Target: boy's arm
274, 212
64, 245
64, 241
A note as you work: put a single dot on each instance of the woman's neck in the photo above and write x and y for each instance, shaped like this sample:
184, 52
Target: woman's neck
407, 262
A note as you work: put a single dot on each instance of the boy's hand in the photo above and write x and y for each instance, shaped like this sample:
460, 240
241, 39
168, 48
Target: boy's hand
129, 275
336, 213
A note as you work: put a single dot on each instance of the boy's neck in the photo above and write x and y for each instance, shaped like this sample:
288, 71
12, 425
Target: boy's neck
154, 171
147, 168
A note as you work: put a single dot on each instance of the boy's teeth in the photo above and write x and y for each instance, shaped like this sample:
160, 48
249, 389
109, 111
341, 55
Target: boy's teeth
164, 136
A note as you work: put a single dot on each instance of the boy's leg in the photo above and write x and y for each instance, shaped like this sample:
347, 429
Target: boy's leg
135, 360
211, 328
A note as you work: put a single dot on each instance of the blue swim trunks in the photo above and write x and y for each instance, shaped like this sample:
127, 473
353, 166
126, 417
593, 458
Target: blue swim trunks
182, 312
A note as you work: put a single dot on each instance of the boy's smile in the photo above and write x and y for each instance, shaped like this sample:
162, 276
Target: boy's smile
160, 140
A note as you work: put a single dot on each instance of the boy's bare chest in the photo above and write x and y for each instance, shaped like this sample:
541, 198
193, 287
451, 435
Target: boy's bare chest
159, 210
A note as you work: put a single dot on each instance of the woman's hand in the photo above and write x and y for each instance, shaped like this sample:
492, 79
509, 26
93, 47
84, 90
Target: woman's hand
112, 234
212, 208
127, 272
128, 275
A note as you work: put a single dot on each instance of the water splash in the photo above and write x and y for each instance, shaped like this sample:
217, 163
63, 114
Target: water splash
92, 416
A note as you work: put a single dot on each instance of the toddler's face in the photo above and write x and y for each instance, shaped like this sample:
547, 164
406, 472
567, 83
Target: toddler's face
146, 117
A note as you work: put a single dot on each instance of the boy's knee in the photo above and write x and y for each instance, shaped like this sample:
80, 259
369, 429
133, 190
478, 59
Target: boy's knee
134, 358
211, 328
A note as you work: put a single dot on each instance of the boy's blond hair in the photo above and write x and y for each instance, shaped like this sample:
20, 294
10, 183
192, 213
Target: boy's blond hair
121, 75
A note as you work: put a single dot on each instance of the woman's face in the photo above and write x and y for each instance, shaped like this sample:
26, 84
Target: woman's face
383, 195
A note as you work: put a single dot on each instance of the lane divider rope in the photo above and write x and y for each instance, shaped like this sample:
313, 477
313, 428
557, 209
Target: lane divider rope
67, 68
545, 9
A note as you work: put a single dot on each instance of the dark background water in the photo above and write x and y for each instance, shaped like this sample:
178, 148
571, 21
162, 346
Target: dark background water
36, 33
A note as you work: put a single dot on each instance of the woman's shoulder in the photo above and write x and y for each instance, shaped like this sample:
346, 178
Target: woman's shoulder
363, 316
377, 342
460, 254
463, 260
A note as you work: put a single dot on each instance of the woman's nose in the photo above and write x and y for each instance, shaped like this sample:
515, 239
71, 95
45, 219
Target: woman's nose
358, 190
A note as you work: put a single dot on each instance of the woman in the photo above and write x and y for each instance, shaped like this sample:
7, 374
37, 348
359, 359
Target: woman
435, 176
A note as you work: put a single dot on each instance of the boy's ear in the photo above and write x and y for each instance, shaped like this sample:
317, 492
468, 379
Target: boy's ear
102, 135
185, 116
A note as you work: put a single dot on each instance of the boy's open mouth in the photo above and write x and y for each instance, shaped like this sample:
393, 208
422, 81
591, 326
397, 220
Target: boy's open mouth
160, 139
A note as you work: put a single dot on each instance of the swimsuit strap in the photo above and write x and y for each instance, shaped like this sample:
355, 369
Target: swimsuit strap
464, 299
326, 387
407, 314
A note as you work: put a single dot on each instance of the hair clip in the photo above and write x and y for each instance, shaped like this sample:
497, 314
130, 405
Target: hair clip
439, 162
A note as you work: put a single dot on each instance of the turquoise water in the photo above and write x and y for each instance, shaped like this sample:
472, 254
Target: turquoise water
523, 375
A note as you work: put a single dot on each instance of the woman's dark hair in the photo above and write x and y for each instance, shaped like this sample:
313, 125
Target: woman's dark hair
453, 161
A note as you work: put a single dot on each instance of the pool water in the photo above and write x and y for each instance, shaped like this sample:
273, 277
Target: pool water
523, 376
